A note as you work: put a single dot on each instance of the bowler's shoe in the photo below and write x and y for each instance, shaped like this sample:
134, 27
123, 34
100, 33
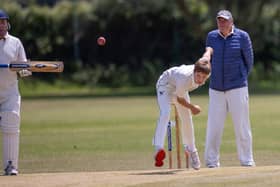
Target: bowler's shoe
159, 157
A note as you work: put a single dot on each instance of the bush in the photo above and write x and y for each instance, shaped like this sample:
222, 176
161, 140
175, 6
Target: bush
143, 38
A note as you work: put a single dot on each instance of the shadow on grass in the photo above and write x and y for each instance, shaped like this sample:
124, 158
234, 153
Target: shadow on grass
169, 172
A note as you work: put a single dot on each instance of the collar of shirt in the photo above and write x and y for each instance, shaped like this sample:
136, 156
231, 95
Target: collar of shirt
4, 37
232, 32
193, 82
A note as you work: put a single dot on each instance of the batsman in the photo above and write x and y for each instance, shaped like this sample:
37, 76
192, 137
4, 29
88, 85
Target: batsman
11, 49
173, 87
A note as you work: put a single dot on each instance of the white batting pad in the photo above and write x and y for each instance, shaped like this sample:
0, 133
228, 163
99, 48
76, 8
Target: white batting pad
10, 129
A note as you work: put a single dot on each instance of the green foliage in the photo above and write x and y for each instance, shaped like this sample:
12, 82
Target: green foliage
143, 37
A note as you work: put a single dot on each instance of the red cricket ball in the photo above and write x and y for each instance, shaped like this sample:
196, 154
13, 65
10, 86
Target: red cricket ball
101, 40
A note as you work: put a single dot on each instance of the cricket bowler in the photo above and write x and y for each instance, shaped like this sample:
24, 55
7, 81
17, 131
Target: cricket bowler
173, 87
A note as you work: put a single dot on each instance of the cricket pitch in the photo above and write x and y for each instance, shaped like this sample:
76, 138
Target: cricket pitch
224, 176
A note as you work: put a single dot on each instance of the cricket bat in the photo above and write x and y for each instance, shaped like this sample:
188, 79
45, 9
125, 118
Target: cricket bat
35, 66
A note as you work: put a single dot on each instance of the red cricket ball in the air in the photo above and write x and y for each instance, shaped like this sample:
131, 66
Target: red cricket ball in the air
101, 41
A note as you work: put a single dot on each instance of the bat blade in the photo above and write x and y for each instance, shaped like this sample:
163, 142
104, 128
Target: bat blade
38, 66
46, 66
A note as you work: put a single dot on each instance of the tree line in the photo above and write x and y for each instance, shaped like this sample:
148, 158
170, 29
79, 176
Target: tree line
143, 37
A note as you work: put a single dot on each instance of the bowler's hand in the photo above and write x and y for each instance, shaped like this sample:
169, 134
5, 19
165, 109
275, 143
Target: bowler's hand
24, 73
195, 109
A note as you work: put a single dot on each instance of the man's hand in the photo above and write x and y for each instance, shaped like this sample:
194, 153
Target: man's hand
204, 60
195, 109
24, 73
206, 57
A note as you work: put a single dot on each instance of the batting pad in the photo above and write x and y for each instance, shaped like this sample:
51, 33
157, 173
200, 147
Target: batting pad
10, 131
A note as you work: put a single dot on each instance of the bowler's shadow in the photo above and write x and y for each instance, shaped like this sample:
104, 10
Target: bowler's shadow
169, 172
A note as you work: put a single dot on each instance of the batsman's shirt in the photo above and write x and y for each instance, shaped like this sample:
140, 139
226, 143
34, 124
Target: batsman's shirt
178, 80
11, 49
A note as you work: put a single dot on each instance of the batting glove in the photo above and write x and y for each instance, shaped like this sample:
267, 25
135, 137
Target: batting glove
24, 73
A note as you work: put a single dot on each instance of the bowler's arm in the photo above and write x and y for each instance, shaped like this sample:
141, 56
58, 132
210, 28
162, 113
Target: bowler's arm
194, 108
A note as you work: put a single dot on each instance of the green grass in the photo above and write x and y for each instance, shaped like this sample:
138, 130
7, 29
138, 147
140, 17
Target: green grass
101, 134
32, 88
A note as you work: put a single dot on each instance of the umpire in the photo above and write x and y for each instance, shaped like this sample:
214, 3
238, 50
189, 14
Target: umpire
232, 60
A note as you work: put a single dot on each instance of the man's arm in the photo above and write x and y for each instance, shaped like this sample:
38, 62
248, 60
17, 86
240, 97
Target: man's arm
207, 54
247, 51
194, 108
22, 57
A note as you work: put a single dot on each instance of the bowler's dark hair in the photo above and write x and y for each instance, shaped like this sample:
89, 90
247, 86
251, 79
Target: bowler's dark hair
202, 66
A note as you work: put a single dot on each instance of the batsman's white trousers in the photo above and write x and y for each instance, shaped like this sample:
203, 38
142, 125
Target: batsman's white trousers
236, 102
10, 127
187, 131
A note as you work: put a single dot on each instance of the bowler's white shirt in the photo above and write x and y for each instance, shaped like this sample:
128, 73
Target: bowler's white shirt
178, 80
175, 82
11, 49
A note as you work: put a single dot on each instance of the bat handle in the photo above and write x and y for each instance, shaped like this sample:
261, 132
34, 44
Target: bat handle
4, 65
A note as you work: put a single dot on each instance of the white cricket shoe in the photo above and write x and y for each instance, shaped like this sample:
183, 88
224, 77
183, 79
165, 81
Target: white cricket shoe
249, 164
195, 162
10, 169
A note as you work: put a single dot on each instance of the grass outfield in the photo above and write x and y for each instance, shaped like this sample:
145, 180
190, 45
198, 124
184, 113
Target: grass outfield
114, 134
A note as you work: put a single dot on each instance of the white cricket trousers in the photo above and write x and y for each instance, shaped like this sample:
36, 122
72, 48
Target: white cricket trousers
187, 131
10, 127
236, 102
